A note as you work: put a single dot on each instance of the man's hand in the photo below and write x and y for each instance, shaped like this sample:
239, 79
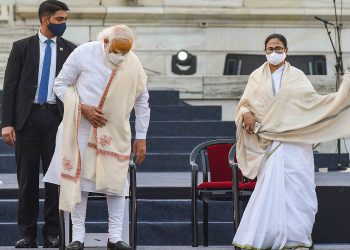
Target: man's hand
139, 149
94, 115
249, 121
9, 135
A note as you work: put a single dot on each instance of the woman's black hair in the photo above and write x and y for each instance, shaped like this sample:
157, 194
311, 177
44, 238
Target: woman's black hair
276, 36
49, 7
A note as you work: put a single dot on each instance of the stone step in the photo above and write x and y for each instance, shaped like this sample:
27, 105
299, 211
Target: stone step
154, 144
7, 163
173, 144
154, 162
190, 128
96, 241
179, 113
184, 113
164, 229
174, 185
179, 162
6, 149
149, 233
148, 211
18, 32
165, 97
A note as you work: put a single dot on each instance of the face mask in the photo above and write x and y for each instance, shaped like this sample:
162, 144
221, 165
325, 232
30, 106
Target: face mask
57, 29
116, 59
275, 58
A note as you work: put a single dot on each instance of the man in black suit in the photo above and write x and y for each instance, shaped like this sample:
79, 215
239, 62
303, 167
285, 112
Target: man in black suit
31, 114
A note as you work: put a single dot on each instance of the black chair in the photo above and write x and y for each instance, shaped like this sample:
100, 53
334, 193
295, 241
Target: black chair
133, 211
214, 160
242, 188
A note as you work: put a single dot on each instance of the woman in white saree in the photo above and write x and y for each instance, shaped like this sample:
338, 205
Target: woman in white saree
281, 211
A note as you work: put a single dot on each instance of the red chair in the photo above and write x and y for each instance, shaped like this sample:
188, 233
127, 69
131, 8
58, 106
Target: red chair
217, 180
242, 188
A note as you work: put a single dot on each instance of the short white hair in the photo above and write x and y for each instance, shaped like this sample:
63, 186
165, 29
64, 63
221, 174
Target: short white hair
119, 31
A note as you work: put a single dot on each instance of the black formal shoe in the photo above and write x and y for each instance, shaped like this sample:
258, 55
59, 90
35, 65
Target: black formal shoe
51, 242
120, 245
26, 243
75, 245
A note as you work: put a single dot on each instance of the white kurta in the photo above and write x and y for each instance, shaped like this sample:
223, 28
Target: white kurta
281, 211
86, 69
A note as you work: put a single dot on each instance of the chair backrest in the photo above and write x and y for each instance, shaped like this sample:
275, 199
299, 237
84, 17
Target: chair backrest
219, 166
218, 153
232, 159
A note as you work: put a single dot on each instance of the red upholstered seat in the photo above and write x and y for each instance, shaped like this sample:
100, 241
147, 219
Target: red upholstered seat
221, 172
248, 186
219, 166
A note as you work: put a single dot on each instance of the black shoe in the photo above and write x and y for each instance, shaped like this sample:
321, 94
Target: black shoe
51, 242
75, 245
120, 245
26, 243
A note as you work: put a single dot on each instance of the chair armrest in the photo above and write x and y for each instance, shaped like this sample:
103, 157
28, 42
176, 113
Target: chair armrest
132, 166
132, 172
194, 175
235, 175
231, 156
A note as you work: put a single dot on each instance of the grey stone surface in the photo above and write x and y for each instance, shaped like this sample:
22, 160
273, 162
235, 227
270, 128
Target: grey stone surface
316, 247
183, 179
189, 87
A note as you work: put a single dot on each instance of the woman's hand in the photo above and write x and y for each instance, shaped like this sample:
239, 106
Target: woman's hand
248, 122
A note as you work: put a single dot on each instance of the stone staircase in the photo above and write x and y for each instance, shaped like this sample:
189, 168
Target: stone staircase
163, 212
8, 35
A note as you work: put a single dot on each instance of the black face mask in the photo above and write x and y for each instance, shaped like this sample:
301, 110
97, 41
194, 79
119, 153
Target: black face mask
57, 29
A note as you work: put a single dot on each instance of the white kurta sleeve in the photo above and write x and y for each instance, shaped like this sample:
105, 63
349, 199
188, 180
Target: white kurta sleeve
142, 113
68, 74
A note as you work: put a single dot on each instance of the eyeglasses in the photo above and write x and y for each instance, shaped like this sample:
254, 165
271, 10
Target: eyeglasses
277, 49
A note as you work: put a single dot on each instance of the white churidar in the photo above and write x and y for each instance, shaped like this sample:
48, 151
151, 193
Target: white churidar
115, 218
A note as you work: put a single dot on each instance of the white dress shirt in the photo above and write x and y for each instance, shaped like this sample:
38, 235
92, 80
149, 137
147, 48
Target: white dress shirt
85, 68
51, 98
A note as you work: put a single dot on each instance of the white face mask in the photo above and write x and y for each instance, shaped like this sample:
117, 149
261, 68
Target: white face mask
116, 59
275, 58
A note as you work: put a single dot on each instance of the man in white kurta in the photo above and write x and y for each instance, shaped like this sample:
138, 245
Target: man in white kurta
89, 68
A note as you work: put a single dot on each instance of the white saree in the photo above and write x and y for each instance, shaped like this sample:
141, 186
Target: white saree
281, 211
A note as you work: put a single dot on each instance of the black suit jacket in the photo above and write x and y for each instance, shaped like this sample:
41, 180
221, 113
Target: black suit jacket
21, 78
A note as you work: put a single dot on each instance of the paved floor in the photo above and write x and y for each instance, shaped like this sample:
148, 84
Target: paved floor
317, 247
97, 241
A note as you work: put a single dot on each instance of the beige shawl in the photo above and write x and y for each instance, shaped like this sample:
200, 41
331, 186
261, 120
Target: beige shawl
107, 153
297, 113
